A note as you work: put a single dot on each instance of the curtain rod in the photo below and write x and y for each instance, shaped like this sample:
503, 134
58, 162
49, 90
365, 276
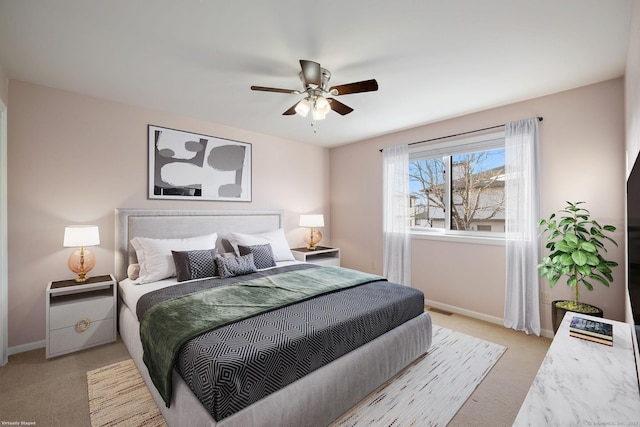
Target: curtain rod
460, 134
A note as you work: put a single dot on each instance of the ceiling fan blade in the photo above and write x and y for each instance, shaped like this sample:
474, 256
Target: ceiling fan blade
357, 87
339, 107
274, 89
291, 111
311, 73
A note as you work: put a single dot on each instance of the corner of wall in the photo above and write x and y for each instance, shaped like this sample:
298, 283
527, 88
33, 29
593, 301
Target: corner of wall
4, 87
632, 89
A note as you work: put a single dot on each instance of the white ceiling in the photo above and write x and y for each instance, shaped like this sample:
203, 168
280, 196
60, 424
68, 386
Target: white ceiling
433, 59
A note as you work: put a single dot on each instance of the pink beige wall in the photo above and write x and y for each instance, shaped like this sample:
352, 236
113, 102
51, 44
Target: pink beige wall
74, 159
582, 159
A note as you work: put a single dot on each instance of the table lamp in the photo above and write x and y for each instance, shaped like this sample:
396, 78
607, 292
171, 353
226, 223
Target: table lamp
313, 237
82, 260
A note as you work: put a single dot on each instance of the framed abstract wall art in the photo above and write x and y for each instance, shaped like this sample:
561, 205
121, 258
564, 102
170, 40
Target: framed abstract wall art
190, 166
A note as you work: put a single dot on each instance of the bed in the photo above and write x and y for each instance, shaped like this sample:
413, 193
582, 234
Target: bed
311, 398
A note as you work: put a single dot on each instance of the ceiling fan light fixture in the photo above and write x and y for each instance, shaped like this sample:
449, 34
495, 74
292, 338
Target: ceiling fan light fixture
303, 107
315, 81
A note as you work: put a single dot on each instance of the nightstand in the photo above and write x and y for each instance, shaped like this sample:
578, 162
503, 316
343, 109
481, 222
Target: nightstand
323, 255
80, 315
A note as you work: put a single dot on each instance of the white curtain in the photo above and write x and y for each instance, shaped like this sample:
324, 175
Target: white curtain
395, 216
522, 303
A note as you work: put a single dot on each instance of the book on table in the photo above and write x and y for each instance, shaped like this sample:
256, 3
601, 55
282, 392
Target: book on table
586, 328
591, 338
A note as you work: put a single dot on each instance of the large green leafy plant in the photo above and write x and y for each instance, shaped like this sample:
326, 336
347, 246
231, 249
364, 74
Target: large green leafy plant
576, 242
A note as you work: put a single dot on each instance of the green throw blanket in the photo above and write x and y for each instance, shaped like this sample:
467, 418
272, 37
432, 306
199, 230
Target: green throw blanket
166, 326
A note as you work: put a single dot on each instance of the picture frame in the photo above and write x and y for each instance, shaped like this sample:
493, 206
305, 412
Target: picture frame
190, 166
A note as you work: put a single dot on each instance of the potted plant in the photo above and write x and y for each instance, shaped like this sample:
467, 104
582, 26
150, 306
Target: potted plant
576, 243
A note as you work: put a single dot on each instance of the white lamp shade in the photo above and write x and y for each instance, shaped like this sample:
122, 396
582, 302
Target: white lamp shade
80, 236
318, 115
322, 105
312, 220
303, 107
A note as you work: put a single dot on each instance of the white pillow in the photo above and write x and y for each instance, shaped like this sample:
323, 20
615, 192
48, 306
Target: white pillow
276, 239
154, 255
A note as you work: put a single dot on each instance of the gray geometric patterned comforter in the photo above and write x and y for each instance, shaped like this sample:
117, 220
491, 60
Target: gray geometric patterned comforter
236, 365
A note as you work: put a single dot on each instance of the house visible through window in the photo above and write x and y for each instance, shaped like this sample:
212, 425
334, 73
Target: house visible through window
458, 187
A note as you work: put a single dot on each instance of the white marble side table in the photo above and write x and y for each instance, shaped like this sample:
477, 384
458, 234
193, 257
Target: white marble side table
583, 383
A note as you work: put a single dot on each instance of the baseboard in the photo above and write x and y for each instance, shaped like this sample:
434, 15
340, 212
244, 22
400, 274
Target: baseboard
26, 347
476, 315
547, 333
464, 312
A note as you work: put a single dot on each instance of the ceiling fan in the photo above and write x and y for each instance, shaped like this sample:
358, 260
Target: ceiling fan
315, 80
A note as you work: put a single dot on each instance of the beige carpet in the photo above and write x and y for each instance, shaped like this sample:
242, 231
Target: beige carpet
428, 392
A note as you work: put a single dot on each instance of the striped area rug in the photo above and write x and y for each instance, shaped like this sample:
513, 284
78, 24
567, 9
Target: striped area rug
429, 392
118, 396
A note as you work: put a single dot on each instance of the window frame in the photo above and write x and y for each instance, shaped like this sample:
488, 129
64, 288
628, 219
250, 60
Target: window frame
446, 150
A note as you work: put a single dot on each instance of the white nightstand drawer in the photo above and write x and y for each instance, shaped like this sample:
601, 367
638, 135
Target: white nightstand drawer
73, 338
68, 310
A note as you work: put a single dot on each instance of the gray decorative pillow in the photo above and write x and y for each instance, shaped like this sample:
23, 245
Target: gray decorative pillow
197, 264
262, 255
235, 266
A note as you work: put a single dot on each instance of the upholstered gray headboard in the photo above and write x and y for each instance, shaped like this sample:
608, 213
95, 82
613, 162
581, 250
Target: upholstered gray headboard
168, 224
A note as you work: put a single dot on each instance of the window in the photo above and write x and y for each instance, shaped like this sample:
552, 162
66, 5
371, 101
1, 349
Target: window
458, 187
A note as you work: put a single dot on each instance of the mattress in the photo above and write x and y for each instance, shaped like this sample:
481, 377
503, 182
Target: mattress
260, 355
314, 400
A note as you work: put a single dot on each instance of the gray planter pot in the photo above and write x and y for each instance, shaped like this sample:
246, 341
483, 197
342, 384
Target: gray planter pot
557, 314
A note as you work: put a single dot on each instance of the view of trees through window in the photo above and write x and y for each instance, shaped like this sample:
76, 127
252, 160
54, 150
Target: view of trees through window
458, 192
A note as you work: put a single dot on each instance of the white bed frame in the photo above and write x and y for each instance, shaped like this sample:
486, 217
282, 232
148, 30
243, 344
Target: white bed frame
315, 400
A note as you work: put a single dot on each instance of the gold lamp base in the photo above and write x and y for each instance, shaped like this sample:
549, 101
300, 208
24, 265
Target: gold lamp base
312, 238
81, 262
